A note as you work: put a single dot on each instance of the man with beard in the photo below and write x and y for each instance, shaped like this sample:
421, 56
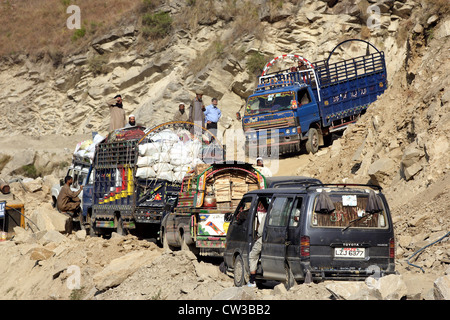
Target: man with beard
181, 114
68, 200
196, 114
118, 119
131, 121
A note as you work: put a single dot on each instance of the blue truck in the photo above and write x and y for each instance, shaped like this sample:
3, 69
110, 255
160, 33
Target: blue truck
305, 104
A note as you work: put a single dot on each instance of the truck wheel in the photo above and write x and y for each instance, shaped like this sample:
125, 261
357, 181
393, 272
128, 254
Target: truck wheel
92, 228
188, 247
312, 144
120, 229
165, 243
239, 271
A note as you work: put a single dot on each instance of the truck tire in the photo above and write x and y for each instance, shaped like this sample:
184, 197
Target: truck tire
239, 273
312, 144
118, 221
188, 247
165, 243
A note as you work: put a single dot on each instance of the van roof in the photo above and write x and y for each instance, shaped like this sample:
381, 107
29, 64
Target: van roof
280, 181
314, 187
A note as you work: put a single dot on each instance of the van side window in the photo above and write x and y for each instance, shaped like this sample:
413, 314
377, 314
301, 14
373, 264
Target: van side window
295, 215
279, 213
242, 210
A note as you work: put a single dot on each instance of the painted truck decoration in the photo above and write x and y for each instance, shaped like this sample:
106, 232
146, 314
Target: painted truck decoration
138, 173
306, 103
207, 194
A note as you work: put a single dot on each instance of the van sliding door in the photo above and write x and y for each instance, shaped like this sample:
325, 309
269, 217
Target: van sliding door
274, 237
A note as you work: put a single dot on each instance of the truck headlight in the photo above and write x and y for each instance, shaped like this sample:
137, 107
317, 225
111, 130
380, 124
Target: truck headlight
294, 130
288, 131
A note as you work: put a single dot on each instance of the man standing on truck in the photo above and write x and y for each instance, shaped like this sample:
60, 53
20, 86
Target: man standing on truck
256, 250
131, 121
117, 113
68, 200
196, 114
212, 116
181, 114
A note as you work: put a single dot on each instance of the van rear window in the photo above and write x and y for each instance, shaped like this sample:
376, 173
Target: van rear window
348, 207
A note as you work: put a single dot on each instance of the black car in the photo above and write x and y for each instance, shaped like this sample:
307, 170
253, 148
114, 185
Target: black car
313, 232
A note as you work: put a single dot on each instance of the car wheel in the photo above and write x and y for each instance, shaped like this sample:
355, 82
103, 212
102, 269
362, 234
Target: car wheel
239, 272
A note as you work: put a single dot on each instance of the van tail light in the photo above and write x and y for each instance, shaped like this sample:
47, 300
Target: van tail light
392, 248
304, 246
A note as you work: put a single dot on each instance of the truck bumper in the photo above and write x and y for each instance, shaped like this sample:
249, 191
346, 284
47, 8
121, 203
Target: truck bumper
283, 144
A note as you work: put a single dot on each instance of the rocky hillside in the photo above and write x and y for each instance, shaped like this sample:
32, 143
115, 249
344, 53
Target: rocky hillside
401, 143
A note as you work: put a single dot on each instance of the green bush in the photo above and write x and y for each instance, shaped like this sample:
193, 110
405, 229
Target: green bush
256, 62
30, 171
78, 34
156, 25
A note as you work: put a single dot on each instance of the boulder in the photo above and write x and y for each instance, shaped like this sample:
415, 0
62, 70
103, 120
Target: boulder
442, 288
235, 293
47, 218
40, 254
351, 290
381, 170
80, 235
391, 287
121, 268
52, 236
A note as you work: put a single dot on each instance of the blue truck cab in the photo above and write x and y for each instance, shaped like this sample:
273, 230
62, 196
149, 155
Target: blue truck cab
303, 105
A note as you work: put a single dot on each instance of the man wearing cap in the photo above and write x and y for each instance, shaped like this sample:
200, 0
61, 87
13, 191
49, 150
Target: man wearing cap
260, 167
118, 119
196, 114
181, 114
131, 121
212, 116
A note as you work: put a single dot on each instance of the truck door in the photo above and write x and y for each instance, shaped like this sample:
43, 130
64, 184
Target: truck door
307, 110
274, 237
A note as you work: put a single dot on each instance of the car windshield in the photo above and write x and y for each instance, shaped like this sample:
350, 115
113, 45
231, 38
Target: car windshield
270, 103
348, 207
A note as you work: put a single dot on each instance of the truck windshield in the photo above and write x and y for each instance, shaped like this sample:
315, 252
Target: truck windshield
348, 207
270, 102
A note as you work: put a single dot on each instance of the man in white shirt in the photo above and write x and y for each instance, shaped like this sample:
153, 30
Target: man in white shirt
260, 167
212, 116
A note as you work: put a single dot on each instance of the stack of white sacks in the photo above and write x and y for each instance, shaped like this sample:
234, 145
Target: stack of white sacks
168, 156
86, 149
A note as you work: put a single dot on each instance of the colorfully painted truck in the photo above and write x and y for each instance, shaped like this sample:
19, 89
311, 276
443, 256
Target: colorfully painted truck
207, 195
306, 103
137, 174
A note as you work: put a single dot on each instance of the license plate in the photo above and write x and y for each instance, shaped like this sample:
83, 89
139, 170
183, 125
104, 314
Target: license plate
354, 253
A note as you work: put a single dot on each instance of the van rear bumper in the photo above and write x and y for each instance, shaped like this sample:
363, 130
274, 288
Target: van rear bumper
333, 274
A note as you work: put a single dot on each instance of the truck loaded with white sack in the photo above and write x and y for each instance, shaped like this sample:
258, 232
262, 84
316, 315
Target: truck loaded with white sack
138, 173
